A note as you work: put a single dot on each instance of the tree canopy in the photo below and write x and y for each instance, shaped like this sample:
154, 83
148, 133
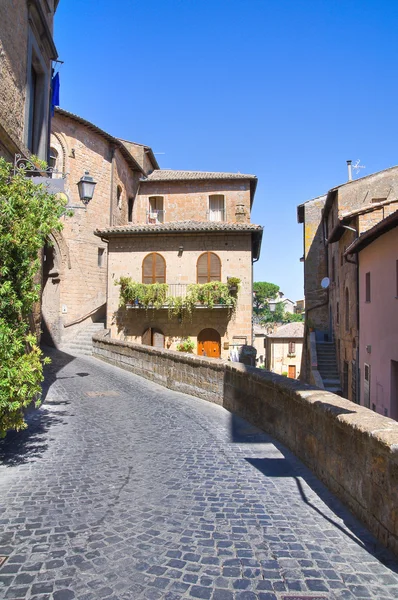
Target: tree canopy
265, 291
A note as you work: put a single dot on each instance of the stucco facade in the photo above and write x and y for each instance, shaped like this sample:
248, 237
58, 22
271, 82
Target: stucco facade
378, 316
284, 350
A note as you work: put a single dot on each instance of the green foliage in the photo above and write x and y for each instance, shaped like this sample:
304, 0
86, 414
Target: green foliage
28, 214
263, 291
155, 295
186, 345
293, 318
147, 295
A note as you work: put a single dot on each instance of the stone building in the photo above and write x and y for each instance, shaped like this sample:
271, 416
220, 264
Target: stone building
331, 224
75, 266
26, 51
193, 227
377, 252
284, 350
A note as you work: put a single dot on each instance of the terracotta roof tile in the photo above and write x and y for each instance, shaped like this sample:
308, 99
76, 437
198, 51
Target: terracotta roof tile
179, 226
291, 330
170, 175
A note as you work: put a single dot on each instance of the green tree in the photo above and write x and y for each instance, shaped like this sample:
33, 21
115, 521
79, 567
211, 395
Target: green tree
263, 291
28, 213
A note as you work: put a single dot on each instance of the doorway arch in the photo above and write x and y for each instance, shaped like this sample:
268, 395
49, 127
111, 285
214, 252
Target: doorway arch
153, 337
209, 343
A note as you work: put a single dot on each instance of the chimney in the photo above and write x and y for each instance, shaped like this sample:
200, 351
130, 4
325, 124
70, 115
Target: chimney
349, 163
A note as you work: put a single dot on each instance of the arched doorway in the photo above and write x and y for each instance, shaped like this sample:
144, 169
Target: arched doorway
209, 343
51, 325
153, 337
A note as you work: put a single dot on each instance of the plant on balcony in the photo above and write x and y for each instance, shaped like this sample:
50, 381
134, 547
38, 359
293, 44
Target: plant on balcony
186, 345
233, 284
149, 295
210, 294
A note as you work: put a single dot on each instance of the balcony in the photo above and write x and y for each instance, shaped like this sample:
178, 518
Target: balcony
155, 216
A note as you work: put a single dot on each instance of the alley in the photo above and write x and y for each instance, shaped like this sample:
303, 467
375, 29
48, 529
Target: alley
121, 489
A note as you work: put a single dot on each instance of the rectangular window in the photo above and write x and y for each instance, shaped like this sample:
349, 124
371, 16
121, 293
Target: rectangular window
216, 207
101, 257
292, 347
156, 211
37, 101
367, 287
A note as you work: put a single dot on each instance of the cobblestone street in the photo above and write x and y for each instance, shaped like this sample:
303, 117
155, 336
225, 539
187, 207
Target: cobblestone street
121, 489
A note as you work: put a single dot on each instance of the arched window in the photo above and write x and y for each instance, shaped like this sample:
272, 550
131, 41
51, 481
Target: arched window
119, 196
154, 269
347, 310
208, 268
52, 162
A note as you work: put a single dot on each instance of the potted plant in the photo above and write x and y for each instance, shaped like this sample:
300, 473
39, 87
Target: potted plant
186, 345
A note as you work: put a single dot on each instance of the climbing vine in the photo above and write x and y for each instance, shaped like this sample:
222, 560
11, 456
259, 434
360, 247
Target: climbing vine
28, 214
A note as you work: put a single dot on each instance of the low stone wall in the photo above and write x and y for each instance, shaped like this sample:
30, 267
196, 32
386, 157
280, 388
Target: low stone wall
351, 449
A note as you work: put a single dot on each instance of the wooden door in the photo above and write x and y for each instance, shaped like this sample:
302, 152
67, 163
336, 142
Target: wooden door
153, 337
292, 371
209, 343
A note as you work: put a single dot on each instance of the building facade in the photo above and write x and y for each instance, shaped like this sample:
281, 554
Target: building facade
284, 350
27, 50
331, 224
188, 228
377, 252
75, 265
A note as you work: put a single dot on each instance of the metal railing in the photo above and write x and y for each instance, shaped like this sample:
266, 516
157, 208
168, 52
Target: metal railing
155, 216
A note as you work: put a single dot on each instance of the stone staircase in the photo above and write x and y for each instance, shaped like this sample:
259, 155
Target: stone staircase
82, 342
327, 367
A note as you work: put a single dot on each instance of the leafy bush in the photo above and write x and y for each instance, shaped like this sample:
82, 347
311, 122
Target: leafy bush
144, 294
186, 345
28, 214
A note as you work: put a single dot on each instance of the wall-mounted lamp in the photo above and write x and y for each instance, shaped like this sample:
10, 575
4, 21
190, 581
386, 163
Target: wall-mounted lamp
86, 187
180, 250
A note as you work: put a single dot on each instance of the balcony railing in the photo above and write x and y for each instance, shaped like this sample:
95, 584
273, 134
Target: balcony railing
216, 214
213, 299
155, 216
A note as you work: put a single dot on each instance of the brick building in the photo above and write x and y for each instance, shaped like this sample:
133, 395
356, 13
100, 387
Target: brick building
196, 225
26, 50
331, 224
75, 266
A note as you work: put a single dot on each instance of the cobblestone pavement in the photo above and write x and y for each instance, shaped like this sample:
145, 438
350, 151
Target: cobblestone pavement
121, 489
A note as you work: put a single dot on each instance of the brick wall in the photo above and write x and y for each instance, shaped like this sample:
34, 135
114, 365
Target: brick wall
350, 448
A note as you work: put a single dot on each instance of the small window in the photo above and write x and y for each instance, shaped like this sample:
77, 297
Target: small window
119, 196
208, 268
292, 347
130, 210
154, 268
216, 207
101, 256
367, 287
155, 210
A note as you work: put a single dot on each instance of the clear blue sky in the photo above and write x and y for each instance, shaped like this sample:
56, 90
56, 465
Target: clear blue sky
285, 89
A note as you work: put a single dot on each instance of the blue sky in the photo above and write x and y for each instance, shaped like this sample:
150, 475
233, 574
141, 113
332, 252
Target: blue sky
285, 89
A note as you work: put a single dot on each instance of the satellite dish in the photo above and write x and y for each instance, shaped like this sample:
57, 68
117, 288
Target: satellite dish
325, 283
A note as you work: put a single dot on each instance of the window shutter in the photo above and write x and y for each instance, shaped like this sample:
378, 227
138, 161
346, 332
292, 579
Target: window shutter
202, 268
215, 267
160, 269
147, 269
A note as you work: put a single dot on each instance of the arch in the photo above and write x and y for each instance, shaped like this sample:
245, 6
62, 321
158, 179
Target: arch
208, 268
209, 343
153, 337
154, 268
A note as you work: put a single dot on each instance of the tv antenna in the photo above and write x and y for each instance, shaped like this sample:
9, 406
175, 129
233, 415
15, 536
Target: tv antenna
358, 167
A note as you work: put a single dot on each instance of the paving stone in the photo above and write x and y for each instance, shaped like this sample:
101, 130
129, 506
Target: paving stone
158, 495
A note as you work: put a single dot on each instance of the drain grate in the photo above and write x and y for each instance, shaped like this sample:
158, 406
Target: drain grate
2, 560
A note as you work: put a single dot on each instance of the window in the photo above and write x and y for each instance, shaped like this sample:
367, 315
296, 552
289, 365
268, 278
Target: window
37, 100
154, 269
208, 268
156, 212
119, 196
130, 210
292, 347
367, 287
216, 207
101, 254
347, 310
52, 163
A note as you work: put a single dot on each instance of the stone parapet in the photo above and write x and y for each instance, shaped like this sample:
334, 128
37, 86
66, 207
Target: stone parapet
351, 449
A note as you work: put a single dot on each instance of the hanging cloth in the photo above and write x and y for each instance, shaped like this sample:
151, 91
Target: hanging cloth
54, 92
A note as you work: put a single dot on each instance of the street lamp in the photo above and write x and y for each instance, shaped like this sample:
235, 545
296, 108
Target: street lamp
86, 187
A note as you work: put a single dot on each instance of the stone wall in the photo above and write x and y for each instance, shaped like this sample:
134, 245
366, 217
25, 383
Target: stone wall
351, 449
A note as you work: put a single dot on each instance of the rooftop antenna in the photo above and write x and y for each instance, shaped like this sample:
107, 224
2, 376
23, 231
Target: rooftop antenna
357, 167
